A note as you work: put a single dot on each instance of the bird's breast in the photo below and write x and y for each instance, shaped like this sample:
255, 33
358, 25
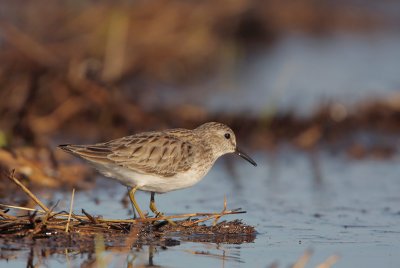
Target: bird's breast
156, 183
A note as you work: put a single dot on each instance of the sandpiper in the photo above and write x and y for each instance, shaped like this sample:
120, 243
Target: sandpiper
160, 161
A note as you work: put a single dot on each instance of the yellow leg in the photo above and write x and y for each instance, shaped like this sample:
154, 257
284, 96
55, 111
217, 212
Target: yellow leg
155, 210
153, 205
135, 204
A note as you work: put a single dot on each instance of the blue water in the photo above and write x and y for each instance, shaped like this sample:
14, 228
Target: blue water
353, 211
299, 72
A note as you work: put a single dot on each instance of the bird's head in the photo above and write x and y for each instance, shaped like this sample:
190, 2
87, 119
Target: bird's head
221, 139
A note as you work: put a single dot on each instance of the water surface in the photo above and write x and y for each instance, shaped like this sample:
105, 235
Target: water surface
352, 209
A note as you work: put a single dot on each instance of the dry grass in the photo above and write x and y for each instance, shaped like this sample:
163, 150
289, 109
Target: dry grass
45, 222
97, 61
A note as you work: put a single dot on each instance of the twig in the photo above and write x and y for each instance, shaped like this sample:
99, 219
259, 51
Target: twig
49, 214
38, 227
26, 190
22, 208
70, 210
67, 258
216, 217
189, 215
222, 212
6, 216
45, 210
90, 217
329, 262
200, 220
177, 216
303, 260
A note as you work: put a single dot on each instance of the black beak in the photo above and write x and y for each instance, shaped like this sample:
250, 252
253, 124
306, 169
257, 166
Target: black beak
245, 157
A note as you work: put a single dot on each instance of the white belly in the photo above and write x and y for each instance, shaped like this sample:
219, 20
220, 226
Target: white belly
151, 183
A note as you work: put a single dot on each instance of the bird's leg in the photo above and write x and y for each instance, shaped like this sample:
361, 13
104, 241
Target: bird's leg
155, 210
153, 205
133, 207
132, 197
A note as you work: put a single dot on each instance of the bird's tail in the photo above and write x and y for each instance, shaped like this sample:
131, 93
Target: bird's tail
67, 147
71, 148
92, 153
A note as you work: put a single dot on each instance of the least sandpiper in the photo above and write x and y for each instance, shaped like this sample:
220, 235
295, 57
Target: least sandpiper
160, 161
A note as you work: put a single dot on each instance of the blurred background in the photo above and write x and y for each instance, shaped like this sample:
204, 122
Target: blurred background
321, 78
95, 70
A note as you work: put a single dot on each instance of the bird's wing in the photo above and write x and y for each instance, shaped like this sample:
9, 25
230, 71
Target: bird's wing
148, 153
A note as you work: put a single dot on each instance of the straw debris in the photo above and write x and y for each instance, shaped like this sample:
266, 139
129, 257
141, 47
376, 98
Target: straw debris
46, 223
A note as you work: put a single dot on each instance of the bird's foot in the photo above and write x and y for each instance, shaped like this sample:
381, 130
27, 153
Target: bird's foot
159, 214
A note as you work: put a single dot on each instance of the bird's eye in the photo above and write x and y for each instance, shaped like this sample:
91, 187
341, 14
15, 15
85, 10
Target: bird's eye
227, 136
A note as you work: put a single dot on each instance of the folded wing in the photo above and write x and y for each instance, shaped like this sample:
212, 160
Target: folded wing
148, 153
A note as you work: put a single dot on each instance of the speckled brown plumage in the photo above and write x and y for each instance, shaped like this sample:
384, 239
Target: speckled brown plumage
161, 161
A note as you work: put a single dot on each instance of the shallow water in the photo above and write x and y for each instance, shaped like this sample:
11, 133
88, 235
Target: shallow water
345, 207
351, 209
299, 72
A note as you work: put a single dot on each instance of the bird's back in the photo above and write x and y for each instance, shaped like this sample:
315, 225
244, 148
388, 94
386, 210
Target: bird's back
163, 153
